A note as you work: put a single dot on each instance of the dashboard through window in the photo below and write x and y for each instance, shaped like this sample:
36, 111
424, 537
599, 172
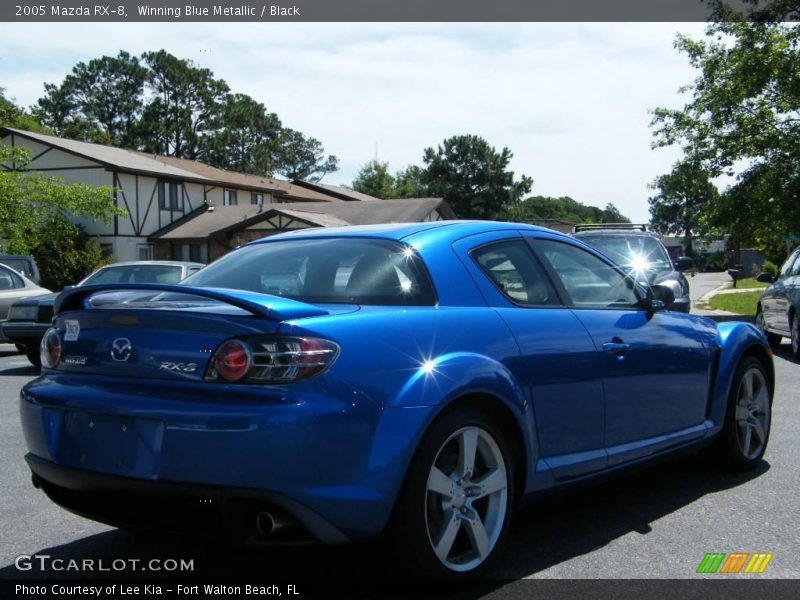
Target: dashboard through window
589, 281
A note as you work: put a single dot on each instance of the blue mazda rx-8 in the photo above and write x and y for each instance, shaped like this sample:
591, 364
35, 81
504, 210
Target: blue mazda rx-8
419, 380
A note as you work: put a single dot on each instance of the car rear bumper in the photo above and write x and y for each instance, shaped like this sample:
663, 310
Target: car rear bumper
138, 504
342, 458
24, 332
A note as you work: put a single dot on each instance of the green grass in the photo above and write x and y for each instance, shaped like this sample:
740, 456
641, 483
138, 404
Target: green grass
748, 284
741, 304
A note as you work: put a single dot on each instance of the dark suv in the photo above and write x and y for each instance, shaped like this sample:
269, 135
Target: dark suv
640, 251
22, 264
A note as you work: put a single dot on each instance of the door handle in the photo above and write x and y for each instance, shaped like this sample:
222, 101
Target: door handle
618, 349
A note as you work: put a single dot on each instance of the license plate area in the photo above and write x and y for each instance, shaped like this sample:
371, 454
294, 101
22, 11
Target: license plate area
112, 444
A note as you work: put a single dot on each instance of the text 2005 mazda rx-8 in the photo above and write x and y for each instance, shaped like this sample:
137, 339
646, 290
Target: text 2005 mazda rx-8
336, 384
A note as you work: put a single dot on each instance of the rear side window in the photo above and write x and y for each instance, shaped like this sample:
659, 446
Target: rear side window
332, 270
10, 280
514, 271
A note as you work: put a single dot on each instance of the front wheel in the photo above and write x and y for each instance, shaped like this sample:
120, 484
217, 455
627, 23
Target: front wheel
773, 339
745, 434
795, 328
455, 507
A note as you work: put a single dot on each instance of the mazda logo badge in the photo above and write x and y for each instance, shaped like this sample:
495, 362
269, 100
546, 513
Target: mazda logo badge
121, 349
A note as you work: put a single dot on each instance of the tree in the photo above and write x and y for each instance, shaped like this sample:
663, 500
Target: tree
184, 108
408, 183
743, 119
65, 253
304, 158
12, 115
248, 137
99, 101
565, 209
162, 104
374, 179
685, 202
32, 216
473, 177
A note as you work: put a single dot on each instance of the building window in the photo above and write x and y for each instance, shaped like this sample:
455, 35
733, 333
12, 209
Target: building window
256, 198
229, 198
168, 198
195, 252
144, 251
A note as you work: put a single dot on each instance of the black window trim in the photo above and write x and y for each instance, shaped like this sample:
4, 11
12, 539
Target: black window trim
637, 289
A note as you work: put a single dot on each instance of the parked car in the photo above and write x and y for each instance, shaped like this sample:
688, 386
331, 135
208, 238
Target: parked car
642, 252
29, 318
14, 286
777, 310
417, 379
22, 264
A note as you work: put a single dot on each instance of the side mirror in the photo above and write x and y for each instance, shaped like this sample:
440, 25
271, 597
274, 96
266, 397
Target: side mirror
765, 277
663, 297
684, 263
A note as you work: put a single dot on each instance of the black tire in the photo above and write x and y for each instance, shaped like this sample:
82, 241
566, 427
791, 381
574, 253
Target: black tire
794, 327
731, 447
773, 338
32, 353
420, 510
20, 348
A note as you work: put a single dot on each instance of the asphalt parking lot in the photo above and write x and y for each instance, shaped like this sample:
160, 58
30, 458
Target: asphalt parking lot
658, 523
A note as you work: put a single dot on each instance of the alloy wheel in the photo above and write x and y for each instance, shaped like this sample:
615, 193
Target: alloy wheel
752, 413
466, 499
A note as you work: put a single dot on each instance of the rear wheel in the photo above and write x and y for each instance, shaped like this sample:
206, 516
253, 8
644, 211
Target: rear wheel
773, 339
32, 353
455, 507
745, 434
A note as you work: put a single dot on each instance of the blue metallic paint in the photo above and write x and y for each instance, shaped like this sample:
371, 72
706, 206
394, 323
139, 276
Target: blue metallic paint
340, 444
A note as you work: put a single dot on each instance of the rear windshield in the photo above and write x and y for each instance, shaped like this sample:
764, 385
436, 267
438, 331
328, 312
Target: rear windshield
19, 265
136, 274
333, 270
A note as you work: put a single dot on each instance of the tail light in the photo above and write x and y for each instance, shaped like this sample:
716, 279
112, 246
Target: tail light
271, 359
232, 360
50, 348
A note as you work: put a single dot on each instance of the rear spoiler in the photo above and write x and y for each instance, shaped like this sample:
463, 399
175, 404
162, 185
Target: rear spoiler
274, 308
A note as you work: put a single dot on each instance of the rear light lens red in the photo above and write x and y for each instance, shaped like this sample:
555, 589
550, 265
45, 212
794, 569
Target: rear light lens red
232, 360
272, 359
50, 348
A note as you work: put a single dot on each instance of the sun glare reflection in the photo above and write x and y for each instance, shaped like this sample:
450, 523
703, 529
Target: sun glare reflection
428, 367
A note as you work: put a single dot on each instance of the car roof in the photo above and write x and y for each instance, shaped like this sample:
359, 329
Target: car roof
401, 231
156, 263
614, 233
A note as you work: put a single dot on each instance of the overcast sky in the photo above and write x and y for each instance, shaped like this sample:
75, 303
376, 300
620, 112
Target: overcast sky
570, 100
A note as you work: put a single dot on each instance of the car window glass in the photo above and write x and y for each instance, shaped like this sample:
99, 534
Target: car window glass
795, 267
136, 274
334, 270
10, 280
589, 281
787, 266
638, 252
514, 271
